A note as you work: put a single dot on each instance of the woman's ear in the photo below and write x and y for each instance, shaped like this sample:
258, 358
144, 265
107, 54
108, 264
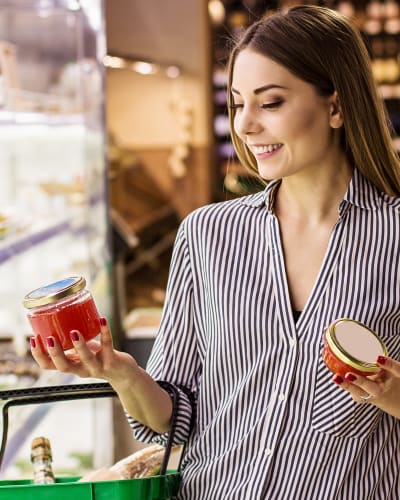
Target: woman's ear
335, 112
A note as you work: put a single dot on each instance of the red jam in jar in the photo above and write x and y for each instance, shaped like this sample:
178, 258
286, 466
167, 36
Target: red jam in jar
350, 346
57, 308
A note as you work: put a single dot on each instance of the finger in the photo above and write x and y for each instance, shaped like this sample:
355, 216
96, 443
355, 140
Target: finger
81, 346
339, 380
94, 346
389, 364
105, 334
40, 355
57, 355
356, 392
106, 340
86, 355
362, 387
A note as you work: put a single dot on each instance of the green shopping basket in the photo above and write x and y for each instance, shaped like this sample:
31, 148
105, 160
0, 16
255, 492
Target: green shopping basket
163, 486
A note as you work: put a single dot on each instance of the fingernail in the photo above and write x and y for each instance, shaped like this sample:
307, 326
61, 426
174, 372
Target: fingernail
103, 321
350, 377
32, 342
50, 341
381, 360
74, 334
338, 379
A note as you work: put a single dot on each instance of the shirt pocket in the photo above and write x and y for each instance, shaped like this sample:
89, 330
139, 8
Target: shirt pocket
334, 412
392, 343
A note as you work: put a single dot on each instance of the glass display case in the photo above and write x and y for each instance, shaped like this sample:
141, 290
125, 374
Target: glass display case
53, 204
53, 187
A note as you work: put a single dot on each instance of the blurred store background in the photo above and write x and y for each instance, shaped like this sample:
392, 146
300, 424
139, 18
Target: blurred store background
113, 127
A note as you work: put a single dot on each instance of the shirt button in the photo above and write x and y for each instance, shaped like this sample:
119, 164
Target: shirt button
268, 452
292, 342
282, 397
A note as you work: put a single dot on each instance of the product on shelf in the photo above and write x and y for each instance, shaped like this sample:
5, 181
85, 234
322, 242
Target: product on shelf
16, 368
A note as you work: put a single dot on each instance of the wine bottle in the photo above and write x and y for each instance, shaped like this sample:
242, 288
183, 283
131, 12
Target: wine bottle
41, 458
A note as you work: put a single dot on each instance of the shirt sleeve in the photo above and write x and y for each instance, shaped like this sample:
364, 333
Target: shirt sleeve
174, 358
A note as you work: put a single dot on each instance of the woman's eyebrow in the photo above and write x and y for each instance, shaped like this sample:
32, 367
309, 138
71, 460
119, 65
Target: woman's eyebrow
262, 89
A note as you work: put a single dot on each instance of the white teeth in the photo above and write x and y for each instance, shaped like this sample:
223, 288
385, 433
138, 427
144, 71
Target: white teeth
258, 150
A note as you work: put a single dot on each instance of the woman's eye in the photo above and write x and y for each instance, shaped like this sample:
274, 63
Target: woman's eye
236, 106
271, 105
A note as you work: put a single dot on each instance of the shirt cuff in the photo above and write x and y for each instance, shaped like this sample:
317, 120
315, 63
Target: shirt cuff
183, 421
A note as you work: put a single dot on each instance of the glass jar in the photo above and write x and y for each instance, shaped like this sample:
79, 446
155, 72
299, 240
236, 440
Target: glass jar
350, 346
57, 308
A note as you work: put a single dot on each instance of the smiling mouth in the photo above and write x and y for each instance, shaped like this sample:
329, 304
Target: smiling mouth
259, 150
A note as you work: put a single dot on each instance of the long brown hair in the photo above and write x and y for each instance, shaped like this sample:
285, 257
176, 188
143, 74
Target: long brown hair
321, 47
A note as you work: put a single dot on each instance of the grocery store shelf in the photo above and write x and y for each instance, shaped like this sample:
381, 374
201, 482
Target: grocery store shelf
14, 246
12, 117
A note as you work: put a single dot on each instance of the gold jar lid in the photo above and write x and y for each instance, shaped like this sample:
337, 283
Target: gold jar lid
48, 294
357, 336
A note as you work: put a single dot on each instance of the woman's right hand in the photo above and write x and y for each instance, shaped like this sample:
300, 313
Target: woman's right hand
140, 395
97, 359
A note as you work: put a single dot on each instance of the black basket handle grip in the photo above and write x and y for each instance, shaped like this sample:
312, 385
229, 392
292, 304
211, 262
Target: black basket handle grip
50, 394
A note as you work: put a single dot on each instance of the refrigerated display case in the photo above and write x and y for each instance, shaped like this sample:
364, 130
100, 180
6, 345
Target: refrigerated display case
53, 194
53, 175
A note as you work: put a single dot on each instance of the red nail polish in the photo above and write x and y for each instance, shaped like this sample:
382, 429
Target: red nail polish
32, 342
381, 360
74, 335
103, 321
350, 377
50, 341
338, 379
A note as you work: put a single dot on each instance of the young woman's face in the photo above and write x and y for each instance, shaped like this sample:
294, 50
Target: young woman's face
285, 123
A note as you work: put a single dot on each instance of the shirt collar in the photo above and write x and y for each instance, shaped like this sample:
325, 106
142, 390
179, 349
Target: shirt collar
263, 198
360, 192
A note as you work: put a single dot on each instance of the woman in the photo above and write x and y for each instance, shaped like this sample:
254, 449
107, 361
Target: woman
254, 282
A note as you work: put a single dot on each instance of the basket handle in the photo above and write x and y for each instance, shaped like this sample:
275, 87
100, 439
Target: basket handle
174, 393
50, 394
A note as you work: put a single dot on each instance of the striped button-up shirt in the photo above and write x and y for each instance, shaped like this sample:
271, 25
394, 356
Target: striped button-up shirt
269, 423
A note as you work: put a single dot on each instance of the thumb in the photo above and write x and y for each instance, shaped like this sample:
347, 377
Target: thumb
389, 365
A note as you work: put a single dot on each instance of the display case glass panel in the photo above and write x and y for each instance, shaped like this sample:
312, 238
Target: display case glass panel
53, 189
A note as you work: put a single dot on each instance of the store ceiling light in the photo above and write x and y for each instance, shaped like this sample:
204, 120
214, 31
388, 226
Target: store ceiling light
216, 11
141, 67
144, 68
114, 62
172, 71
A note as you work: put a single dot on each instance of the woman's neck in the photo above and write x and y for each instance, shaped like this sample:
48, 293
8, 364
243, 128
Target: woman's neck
315, 199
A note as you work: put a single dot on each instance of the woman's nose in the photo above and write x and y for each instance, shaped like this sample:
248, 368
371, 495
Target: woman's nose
246, 122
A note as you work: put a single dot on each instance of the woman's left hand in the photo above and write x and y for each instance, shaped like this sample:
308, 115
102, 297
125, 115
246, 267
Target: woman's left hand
381, 389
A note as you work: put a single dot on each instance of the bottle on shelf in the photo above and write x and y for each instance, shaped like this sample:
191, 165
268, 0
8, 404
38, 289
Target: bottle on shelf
41, 458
